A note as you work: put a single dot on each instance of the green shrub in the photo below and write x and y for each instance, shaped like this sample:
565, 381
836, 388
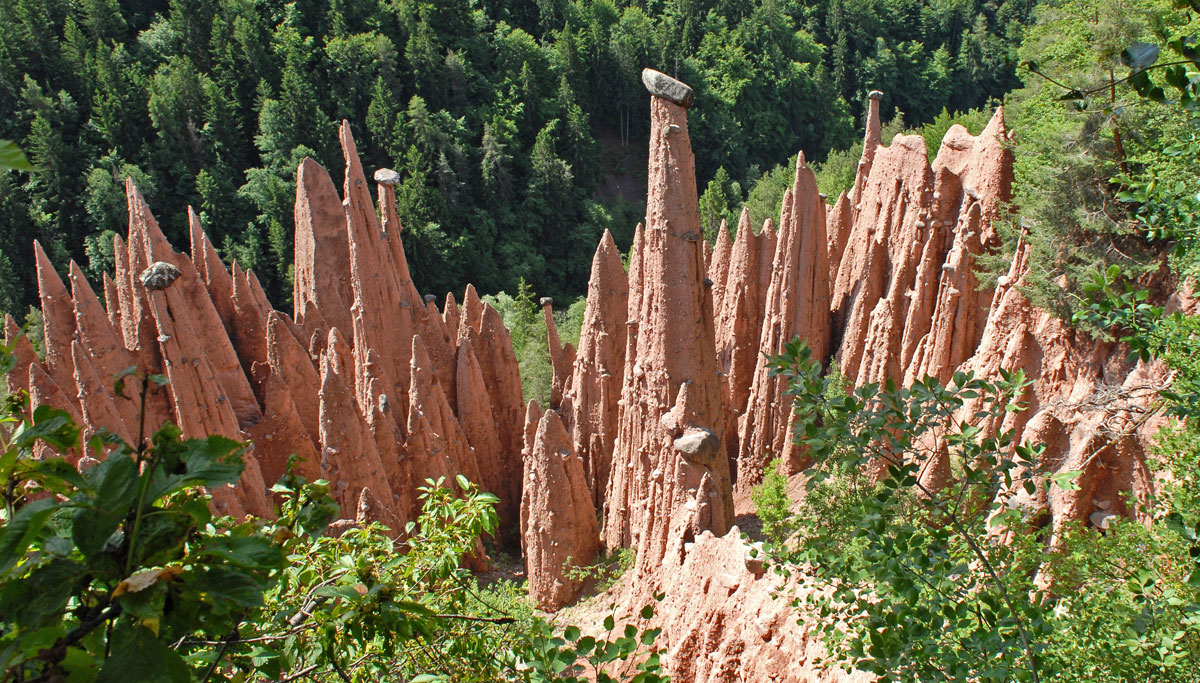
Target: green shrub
570, 321
910, 581
773, 504
605, 571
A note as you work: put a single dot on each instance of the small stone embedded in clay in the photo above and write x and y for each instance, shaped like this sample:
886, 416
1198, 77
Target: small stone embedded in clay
159, 276
699, 444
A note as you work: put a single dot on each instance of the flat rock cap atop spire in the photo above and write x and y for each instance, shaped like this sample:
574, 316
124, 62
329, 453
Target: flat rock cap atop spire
875, 95
386, 176
662, 85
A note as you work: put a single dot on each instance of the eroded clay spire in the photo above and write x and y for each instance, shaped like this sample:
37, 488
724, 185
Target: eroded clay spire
558, 520
669, 438
322, 252
599, 366
562, 356
797, 306
58, 319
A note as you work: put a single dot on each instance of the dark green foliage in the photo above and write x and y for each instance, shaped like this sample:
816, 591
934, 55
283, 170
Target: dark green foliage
1115, 309
500, 116
527, 327
919, 583
125, 557
916, 592
1084, 137
719, 202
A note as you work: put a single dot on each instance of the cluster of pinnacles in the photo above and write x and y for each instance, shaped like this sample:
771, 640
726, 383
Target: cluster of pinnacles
666, 415
368, 384
670, 404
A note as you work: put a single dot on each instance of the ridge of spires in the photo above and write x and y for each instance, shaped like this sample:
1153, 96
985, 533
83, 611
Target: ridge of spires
334, 388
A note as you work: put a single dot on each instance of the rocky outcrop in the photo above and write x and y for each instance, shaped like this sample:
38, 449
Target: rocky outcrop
349, 457
724, 619
533, 415
23, 355
668, 461
905, 289
1087, 405
58, 320
450, 314
879, 264
718, 265
558, 521
474, 410
322, 280
502, 377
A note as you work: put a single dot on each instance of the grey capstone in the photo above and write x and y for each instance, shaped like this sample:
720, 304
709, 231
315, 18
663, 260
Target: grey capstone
386, 176
159, 275
662, 85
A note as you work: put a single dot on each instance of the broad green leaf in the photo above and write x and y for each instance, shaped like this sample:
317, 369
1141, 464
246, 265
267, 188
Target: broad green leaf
137, 655
50, 425
1066, 480
57, 468
115, 481
253, 552
92, 528
228, 587
213, 461
19, 532
41, 595
11, 157
1139, 55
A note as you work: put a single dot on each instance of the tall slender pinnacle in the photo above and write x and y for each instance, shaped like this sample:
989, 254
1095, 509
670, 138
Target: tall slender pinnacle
669, 440
872, 139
